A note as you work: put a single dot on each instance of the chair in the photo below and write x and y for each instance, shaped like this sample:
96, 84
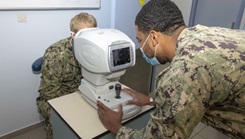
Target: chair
37, 65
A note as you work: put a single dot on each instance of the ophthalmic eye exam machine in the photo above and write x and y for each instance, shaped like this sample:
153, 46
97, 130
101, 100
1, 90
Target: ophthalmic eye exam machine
104, 56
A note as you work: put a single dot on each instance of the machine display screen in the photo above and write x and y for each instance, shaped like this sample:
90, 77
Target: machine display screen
121, 56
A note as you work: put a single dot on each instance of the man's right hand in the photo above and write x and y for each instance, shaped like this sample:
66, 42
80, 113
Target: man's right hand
139, 98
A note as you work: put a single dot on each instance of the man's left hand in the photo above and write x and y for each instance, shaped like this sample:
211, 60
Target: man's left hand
109, 118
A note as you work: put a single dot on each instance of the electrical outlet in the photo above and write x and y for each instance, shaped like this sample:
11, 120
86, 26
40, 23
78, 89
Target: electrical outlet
21, 17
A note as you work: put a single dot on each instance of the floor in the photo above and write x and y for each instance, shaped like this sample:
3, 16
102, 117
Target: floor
200, 132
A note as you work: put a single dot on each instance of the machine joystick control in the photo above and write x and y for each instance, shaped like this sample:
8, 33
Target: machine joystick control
118, 91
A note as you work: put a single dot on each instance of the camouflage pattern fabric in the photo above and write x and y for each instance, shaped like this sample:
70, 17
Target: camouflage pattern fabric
205, 82
61, 75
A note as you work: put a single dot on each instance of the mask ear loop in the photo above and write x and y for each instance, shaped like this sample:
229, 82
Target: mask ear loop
155, 51
145, 41
155, 47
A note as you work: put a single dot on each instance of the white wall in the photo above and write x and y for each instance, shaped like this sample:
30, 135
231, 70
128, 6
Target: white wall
21, 44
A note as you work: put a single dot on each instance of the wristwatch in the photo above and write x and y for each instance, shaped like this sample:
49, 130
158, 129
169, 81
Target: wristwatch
151, 100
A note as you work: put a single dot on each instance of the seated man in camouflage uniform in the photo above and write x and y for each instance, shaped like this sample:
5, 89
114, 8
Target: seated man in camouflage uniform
204, 82
61, 73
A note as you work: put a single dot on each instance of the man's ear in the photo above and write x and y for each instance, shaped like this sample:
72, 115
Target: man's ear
154, 37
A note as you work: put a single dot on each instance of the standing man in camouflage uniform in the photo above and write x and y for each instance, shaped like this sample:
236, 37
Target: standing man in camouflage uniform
204, 82
61, 73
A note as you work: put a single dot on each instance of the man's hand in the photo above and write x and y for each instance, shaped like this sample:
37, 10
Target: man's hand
109, 118
139, 98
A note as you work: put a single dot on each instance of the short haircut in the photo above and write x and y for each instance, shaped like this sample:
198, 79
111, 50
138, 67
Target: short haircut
159, 15
82, 20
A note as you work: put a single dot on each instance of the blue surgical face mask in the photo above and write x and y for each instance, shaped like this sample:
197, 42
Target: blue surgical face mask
153, 61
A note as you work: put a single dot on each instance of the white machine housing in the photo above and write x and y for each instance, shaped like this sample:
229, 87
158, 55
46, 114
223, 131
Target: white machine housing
104, 55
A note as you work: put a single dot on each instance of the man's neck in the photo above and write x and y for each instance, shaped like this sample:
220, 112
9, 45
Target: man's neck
177, 32
174, 37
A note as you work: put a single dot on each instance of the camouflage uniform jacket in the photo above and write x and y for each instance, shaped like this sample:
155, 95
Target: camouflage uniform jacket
204, 82
61, 73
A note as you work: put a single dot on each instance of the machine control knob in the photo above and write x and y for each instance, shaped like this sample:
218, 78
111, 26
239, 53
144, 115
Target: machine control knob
118, 90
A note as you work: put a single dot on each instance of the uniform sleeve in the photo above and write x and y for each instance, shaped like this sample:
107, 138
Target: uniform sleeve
182, 95
51, 78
